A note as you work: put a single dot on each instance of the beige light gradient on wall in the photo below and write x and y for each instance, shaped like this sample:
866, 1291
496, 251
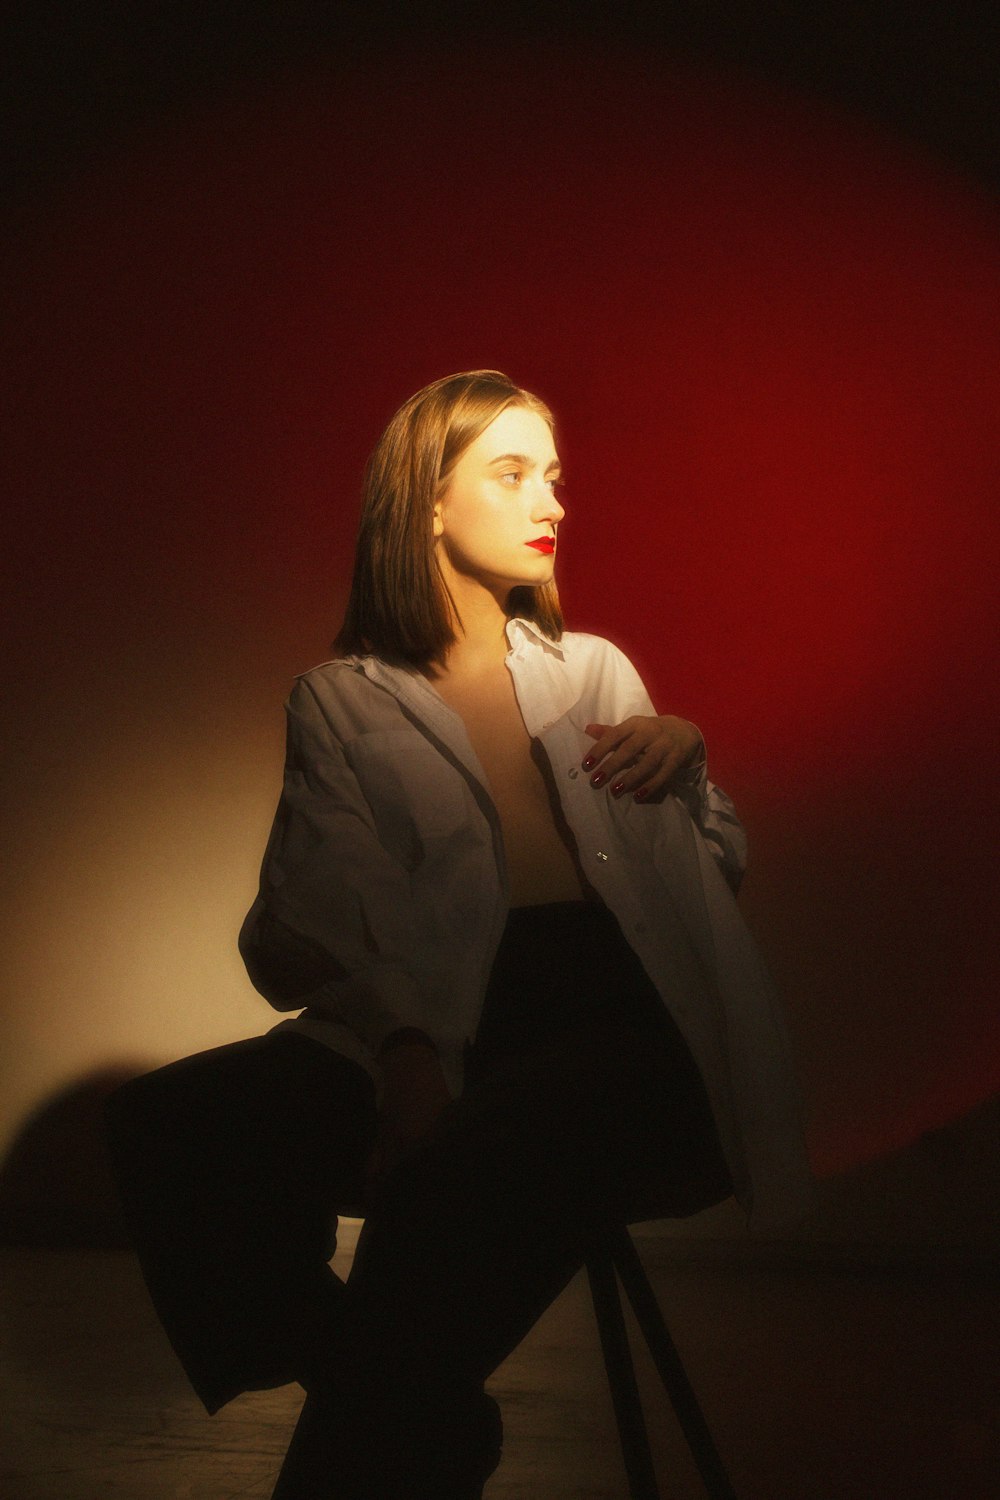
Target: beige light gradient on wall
122, 944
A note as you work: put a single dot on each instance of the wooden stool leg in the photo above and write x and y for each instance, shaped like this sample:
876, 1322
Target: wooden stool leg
621, 1378
626, 1261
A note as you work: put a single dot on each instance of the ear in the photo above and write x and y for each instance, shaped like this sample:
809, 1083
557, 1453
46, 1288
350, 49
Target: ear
437, 522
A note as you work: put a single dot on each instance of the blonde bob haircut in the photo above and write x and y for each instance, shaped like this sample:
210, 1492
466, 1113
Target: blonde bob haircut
399, 606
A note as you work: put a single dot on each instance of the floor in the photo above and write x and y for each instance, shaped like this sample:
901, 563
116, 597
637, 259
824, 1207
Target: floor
819, 1384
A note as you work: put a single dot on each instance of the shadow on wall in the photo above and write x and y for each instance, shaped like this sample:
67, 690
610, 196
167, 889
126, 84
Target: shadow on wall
936, 1195
56, 1187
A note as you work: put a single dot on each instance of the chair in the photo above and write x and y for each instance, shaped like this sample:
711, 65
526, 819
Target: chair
620, 1255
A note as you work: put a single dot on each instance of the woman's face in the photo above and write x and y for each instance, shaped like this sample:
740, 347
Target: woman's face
496, 522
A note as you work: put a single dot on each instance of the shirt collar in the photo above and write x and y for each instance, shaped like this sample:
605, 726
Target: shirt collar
528, 628
516, 629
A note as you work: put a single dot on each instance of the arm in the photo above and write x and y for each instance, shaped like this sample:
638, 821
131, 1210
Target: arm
332, 930
332, 926
414, 1098
649, 756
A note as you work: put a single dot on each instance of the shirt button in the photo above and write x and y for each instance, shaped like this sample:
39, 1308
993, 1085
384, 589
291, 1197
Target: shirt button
602, 856
573, 773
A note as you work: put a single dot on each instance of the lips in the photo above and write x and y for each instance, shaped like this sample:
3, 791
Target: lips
543, 544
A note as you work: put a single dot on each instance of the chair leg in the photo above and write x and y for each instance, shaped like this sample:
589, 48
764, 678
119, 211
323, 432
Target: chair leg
625, 1259
621, 1378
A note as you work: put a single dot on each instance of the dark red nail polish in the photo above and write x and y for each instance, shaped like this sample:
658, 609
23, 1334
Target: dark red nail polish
641, 793
588, 762
599, 779
618, 788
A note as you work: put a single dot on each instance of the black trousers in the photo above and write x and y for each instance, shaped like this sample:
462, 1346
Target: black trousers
582, 1108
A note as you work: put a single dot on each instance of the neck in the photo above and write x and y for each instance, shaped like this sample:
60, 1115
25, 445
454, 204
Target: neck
480, 630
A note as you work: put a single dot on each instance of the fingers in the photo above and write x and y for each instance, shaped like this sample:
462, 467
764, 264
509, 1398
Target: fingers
656, 782
640, 756
655, 770
609, 738
623, 752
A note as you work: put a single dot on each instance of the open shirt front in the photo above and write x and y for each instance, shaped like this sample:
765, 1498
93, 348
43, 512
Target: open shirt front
383, 891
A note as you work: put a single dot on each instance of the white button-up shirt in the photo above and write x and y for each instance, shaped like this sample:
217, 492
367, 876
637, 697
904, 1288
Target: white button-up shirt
384, 894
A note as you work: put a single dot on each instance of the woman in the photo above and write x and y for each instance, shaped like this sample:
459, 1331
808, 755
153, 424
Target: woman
499, 889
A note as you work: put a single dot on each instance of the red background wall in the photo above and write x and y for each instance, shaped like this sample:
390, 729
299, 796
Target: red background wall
771, 336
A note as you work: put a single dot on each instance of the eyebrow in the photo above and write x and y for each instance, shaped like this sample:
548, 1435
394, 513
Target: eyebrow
522, 458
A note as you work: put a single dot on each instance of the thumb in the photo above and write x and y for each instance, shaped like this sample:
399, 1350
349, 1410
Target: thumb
596, 730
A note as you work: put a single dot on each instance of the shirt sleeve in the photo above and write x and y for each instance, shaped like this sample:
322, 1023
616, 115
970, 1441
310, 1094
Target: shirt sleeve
332, 927
713, 811
710, 808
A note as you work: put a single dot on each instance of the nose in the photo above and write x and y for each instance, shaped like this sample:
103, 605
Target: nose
547, 507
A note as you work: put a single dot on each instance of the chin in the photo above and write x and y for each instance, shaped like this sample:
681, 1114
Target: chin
532, 578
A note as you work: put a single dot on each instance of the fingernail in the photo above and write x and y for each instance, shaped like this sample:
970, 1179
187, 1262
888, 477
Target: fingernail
599, 779
641, 793
618, 788
588, 762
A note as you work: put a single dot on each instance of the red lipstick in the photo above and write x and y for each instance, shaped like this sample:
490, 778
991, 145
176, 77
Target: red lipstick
543, 544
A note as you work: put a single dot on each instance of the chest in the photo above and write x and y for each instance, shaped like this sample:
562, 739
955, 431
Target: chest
488, 707
541, 854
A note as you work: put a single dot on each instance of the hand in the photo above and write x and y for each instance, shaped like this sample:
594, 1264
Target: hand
642, 754
414, 1098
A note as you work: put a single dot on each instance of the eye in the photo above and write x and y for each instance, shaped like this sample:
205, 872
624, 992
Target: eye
513, 475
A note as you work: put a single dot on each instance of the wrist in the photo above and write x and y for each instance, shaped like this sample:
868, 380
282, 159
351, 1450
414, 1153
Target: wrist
693, 746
